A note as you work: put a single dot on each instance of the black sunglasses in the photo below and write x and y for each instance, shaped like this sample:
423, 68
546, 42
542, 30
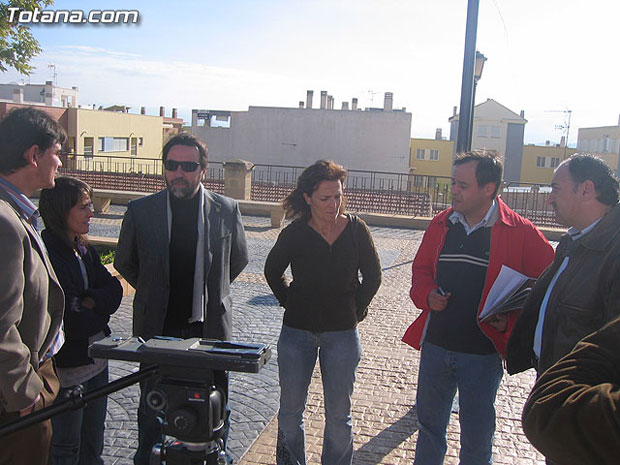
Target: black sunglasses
187, 166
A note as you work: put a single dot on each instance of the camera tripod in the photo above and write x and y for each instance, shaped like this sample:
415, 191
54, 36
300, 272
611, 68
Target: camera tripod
185, 395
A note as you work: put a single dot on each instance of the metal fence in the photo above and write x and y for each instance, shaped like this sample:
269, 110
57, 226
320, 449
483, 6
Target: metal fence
366, 191
133, 174
531, 201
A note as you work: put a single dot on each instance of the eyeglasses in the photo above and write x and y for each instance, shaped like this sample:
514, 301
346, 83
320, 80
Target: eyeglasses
187, 166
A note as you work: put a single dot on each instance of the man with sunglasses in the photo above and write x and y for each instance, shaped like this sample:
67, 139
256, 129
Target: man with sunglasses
180, 249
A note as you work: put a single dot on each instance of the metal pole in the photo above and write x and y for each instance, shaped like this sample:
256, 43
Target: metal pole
570, 112
471, 119
78, 401
463, 141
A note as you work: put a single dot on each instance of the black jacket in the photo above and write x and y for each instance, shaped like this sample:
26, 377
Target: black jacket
80, 322
325, 293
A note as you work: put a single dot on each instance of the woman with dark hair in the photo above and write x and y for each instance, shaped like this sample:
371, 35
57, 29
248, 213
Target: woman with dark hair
91, 296
326, 250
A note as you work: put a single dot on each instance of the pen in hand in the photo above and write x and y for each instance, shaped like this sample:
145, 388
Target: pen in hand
438, 299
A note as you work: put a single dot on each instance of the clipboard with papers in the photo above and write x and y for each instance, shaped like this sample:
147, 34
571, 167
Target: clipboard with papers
508, 293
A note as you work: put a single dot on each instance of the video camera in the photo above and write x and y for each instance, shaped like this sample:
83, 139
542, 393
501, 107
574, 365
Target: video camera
190, 405
193, 407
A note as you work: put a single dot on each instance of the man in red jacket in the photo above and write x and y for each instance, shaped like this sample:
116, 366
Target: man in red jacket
461, 254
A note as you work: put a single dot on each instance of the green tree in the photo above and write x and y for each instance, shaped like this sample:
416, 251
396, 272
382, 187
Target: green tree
17, 44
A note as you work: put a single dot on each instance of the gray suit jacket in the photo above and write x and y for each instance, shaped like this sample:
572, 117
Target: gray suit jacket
31, 308
142, 257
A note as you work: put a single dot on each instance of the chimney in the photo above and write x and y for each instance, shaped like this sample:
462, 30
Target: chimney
618, 120
162, 111
323, 99
301, 104
345, 105
438, 134
547, 143
143, 110
522, 114
330, 102
387, 101
174, 112
563, 141
454, 110
309, 95
18, 95
354, 104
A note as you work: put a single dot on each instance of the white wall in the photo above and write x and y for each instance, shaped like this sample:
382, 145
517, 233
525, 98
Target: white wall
363, 140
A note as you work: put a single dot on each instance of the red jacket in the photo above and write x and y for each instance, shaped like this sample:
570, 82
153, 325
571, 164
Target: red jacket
515, 242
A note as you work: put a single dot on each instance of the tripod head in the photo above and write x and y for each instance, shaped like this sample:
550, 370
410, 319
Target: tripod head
185, 395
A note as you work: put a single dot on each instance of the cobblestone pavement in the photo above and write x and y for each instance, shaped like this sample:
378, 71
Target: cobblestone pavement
384, 414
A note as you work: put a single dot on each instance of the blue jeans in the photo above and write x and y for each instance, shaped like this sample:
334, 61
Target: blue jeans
77, 435
477, 378
339, 353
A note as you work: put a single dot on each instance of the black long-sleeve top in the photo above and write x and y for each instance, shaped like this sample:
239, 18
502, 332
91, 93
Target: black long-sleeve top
79, 321
326, 293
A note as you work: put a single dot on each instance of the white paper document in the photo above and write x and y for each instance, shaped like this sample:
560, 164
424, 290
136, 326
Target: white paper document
507, 293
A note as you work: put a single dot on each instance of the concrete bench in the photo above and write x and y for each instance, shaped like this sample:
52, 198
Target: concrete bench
102, 198
274, 210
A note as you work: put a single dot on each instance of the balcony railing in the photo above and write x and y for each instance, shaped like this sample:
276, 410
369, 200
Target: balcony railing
130, 174
366, 191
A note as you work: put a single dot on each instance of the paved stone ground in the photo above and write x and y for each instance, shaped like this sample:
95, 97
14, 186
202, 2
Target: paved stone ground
385, 420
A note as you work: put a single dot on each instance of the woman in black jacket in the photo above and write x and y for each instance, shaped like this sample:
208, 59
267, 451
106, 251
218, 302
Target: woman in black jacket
327, 251
91, 296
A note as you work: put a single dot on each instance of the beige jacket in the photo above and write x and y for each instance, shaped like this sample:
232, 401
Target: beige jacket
31, 308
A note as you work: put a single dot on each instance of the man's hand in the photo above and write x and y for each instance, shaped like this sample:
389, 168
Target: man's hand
436, 301
28, 410
499, 322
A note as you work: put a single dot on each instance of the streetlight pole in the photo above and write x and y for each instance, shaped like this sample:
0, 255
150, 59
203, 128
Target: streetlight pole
480, 59
463, 139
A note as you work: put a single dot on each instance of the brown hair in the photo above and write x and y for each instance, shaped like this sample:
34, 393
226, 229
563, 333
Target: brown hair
188, 140
488, 168
55, 204
295, 204
22, 128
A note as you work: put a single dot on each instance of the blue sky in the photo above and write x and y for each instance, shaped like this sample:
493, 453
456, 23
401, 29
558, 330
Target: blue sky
543, 56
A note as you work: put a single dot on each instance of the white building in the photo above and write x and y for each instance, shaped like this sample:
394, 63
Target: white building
375, 139
42, 94
604, 139
499, 129
603, 142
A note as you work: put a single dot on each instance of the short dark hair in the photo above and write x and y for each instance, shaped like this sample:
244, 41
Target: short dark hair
586, 167
308, 181
188, 140
488, 168
22, 128
55, 203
